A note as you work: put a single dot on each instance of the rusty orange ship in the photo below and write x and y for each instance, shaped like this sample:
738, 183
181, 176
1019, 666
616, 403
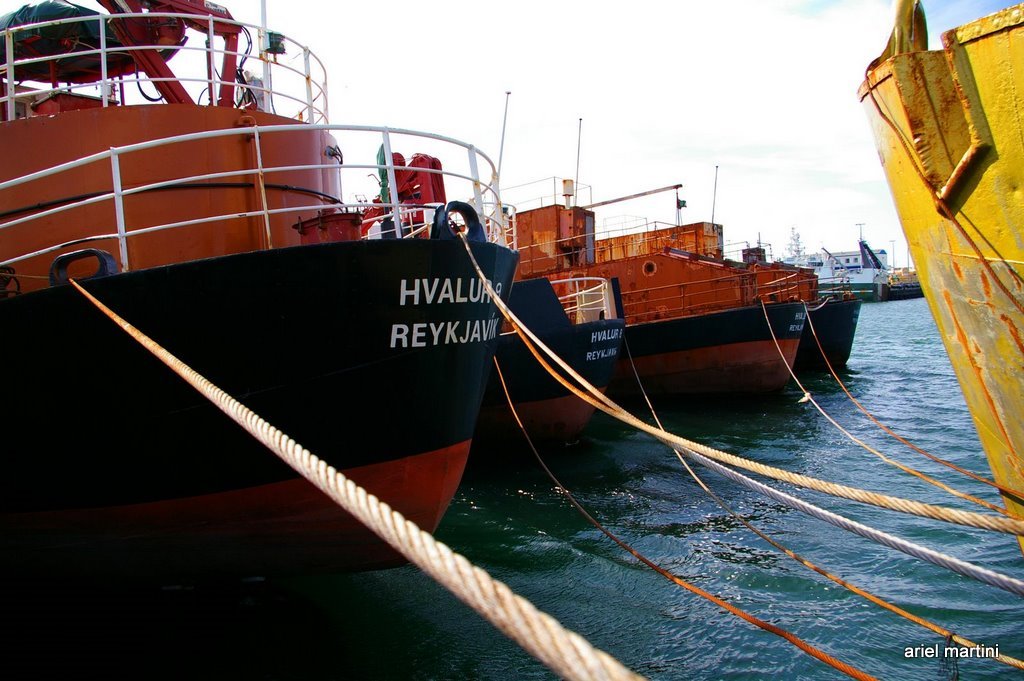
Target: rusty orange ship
695, 323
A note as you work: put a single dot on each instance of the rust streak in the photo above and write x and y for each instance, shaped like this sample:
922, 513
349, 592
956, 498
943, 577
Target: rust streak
1014, 332
961, 338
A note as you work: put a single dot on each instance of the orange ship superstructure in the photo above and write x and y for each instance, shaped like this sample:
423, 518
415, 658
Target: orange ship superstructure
694, 323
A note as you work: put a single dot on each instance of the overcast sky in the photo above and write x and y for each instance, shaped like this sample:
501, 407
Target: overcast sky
764, 90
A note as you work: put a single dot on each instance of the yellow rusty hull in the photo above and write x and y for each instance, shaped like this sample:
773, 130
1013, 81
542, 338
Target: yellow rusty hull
948, 127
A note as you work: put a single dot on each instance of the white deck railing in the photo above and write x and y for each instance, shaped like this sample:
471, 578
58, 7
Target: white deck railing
586, 299
294, 87
462, 181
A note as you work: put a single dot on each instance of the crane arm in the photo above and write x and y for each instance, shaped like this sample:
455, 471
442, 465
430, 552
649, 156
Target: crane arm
141, 33
633, 196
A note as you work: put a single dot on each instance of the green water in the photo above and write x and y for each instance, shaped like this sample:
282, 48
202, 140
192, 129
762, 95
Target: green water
511, 521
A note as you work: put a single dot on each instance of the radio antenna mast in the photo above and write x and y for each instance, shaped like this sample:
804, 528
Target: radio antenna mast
714, 196
504, 122
579, 137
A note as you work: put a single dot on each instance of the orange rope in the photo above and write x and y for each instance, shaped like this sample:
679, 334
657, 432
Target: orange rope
942, 631
833, 662
1006, 659
950, 464
906, 469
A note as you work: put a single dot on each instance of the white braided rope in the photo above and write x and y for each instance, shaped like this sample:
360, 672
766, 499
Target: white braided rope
563, 651
962, 567
604, 403
711, 456
853, 438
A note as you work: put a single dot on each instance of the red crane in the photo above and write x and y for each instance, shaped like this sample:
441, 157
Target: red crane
139, 32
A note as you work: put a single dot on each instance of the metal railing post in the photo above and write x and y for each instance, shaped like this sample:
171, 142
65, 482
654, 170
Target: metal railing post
474, 172
11, 87
211, 62
261, 180
122, 236
309, 84
266, 96
389, 161
324, 98
104, 82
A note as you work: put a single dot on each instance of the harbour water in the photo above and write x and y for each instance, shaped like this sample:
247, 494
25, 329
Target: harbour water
512, 521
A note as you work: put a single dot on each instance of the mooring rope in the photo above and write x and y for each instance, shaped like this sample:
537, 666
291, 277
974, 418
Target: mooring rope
564, 652
970, 519
811, 650
807, 397
594, 397
936, 628
949, 464
962, 567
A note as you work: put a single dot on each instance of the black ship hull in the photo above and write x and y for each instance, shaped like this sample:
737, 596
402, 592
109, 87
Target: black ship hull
829, 334
372, 354
550, 413
731, 351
